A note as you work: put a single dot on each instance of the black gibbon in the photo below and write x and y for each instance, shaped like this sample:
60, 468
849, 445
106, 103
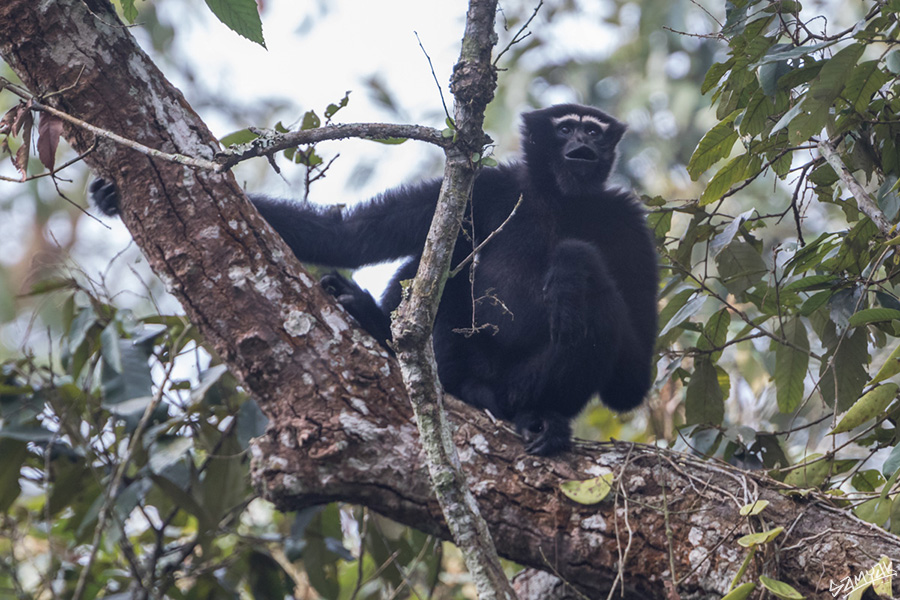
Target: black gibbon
564, 295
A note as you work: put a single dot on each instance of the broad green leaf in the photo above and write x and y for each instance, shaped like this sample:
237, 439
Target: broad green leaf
167, 451
236, 138
876, 511
129, 11
882, 575
787, 117
756, 539
791, 363
834, 74
714, 74
812, 119
890, 367
848, 369
740, 267
685, 309
723, 239
757, 114
813, 282
892, 463
868, 480
866, 79
310, 120
741, 592
737, 169
714, 146
704, 401
715, 333
754, 508
893, 62
780, 52
780, 589
588, 491
873, 315
809, 474
770, 73
870, 406
241, 16
14, 453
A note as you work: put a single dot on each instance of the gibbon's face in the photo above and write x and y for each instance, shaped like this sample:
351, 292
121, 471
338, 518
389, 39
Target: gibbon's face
574, 145
587, 146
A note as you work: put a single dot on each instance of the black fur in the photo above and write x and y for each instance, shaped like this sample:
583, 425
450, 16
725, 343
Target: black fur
566, 292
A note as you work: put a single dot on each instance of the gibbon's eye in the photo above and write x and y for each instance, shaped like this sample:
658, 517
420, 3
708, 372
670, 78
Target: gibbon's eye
564, 129
592, 130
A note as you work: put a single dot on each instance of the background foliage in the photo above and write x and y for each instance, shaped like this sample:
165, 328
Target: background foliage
124, 442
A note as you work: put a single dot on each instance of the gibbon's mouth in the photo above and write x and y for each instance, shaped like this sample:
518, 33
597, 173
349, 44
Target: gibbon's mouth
582, 154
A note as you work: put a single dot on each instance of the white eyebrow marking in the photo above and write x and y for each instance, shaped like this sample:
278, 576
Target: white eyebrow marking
603, 125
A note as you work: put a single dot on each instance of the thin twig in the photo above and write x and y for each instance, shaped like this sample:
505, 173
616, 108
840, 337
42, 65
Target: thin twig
516, 39
433, 75
455, 271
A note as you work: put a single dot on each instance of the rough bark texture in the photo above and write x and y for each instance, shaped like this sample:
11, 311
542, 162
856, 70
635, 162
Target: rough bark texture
341, 428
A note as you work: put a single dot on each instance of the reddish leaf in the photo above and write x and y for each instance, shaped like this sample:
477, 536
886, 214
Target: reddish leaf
24, 118
24, 122
6, 123
49, 130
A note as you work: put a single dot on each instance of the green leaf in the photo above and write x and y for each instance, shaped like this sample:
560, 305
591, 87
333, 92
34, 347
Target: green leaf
14, 453
893, 62
874, 315
757, 114
236, 138
791, 363
833, 76
890, 367
734, 171
688, 310
714, 146
871, 405
715, 333
770, 73
741, 592
704, 402
866, 79
129, 11
780, 52
876, 511
892, 462
848, 369
589, 491
241, 16
868, 480
757, 539
310, 120
714, 74
754, 508
780, 589
813, 282
809, 474
740, 267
